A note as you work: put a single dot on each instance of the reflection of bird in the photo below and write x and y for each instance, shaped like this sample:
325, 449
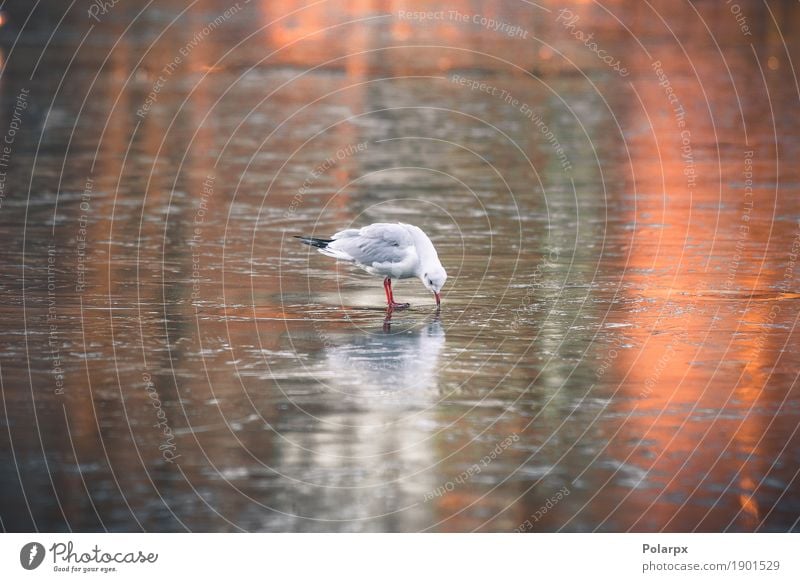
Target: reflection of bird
398, 366
362, 453
393, 251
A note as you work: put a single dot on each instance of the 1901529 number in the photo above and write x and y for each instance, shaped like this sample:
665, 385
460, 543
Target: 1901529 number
759, 565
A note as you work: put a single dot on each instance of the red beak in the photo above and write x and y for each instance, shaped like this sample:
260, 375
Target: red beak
438, 298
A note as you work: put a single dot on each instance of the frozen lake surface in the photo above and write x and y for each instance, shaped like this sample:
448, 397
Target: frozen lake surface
617, 344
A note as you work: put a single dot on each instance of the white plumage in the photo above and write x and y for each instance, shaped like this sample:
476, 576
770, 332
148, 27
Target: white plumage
392, 251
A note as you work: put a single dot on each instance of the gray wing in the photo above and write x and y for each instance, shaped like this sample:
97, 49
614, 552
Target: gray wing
377, 244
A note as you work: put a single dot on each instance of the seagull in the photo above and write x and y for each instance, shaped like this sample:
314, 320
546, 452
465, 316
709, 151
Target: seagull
392, 251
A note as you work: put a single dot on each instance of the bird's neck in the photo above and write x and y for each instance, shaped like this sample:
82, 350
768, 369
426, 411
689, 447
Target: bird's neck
428, 258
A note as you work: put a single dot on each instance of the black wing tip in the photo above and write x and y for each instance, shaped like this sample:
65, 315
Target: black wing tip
319, 243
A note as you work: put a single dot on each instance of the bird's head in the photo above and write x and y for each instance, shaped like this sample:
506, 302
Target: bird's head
434, 279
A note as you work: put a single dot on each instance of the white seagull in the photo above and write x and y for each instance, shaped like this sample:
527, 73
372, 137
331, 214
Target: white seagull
392, 251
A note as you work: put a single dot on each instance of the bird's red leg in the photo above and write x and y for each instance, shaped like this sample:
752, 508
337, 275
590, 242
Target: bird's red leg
387, 286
